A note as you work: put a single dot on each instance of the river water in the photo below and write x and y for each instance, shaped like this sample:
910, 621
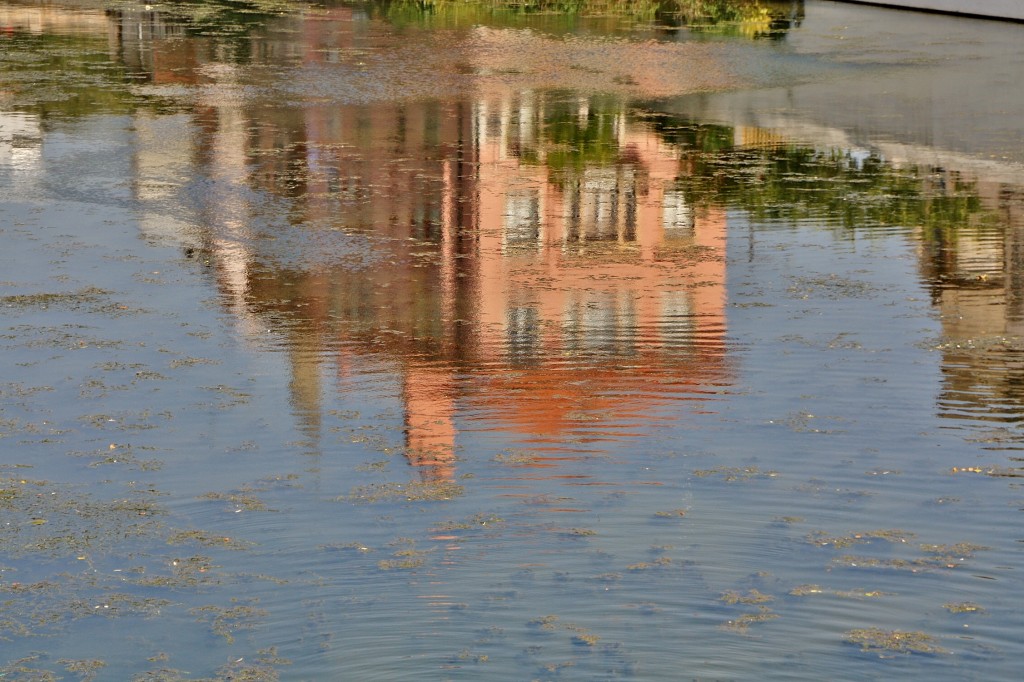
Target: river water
386, 341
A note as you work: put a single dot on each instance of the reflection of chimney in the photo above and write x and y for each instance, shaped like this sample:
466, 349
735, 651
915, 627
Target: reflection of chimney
429, 397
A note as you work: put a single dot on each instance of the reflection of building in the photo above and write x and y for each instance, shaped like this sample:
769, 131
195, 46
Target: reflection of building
525, 261
480, 260
532, 301
39, 18
581, 270
20, 140
977, 277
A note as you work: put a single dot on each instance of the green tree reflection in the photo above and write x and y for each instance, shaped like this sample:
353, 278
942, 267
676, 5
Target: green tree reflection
782, 181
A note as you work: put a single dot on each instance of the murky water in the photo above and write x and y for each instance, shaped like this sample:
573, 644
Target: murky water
372, 342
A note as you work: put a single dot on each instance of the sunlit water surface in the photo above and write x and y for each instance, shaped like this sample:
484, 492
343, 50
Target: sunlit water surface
357, 343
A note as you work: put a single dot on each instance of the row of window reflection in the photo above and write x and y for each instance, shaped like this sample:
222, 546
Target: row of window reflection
602, 324
595, 210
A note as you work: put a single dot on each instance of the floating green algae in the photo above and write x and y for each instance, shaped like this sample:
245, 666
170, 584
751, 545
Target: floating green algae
895, 641
741, 624
413, 491
963, 607
751, 597
731, 474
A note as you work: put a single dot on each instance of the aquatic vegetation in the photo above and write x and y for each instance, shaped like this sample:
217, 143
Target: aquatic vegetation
963, 607
354, 546
24, 670
854, 561
544, 623
380, 465
660, 562
937, 556
516, 458
741, 624
207, 539
120, 454
963, 550
579, 636
43, 607
585, 638
751, 597
232, 396
894, 641
831, 287
49, 519
731, 474
822, 539
474, 522
406, 562
188, 572
413, 491
468, 656
65, 337
240, 501
73, 300
178, 363
406, 556
224, 621
86, 668
808, 590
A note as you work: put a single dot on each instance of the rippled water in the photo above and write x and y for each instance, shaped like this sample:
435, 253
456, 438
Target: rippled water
375, 342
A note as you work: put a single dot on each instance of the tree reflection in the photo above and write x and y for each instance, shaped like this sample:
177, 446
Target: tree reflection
968, 233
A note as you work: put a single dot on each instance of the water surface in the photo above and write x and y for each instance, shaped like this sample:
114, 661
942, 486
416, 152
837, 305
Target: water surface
361, 342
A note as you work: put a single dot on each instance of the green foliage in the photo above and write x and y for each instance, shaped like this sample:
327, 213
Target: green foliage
751, 18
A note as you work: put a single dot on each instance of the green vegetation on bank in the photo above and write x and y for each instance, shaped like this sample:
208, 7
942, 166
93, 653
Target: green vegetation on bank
751, 18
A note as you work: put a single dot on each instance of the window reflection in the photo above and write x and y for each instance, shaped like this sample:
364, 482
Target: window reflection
678, 219
522, 217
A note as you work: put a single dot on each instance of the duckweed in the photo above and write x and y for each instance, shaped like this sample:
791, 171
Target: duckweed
897, 641
414, 491
751, 597
742, 623
822, 539
731, 474
224, 621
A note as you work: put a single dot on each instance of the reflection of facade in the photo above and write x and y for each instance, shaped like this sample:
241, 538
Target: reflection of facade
45, 18
507, 283
581, 272
20, 140
500, 292
977, 276
506, 286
